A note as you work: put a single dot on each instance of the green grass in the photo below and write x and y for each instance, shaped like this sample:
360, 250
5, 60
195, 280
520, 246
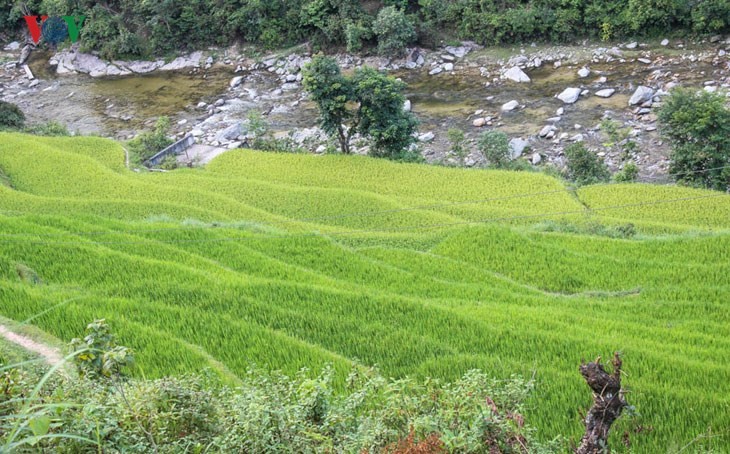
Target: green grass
287, 261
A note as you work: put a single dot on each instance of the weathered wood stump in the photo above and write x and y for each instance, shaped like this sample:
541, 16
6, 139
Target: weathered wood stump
608, 403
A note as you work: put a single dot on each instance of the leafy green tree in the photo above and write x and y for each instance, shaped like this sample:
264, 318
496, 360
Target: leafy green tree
697, 126
368, 103
331, 91
11, 117
494, 145
584, 166
380, 115
393, 30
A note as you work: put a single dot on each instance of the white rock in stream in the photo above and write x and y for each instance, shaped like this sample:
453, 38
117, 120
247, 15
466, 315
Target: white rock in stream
236, 81
570, 95
516, 74
584, 72
641, 95
605, 93
510, 106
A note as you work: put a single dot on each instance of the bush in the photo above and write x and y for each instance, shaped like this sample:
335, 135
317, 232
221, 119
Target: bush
150, 143
697, 126
494, 145
394, 31
11, 117
457, 140
584, 166
628, 175
51, 128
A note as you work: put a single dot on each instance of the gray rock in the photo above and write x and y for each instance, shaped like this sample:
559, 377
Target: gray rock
427, 137
570, 95
517, 147
236, 81
536, 159
632, 45
219, 102
436, 70
407, 105
197, 132
606, 93
516, 74
479, 122
665, 42
448, 58
641, 95
510, 106
577, 138
34, 83
448, 66
231, 133
546, 131
458, 52
584, 72
201, 105
13, 46
645, 61
289, 86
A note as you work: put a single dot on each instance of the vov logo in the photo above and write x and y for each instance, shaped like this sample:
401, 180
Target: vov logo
54, 30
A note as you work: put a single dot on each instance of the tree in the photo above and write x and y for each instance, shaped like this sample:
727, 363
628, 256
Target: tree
697, 126
368, 103
584, 166
393, 30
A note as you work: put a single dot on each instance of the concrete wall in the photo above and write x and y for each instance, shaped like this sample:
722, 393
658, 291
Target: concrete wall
174, 149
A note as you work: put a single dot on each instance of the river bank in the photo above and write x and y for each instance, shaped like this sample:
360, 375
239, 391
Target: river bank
209, 94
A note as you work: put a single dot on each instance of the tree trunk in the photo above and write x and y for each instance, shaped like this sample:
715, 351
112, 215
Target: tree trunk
344, 141
608, 402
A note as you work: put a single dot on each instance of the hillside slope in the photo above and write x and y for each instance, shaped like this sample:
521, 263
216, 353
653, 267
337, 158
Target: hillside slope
291, 261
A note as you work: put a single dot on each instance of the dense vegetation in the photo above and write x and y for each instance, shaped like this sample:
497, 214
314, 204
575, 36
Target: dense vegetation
104, 411
288, 261
697, 125
122, 28
368, 103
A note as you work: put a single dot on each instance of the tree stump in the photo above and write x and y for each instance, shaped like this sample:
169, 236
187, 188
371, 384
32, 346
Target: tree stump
608, 403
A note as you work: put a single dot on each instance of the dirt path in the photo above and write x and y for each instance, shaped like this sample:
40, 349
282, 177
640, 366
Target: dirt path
50, 354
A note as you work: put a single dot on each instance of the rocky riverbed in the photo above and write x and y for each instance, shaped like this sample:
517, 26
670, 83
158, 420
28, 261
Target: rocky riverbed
544, 97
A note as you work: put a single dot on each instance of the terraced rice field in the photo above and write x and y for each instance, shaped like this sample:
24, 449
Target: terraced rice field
290, 261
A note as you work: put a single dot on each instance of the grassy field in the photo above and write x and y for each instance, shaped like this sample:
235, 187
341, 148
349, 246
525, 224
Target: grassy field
290, 261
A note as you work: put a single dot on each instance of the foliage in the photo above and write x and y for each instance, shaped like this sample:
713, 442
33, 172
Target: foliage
393, 30
11, 117
629, 173
120, 29
494, 145
292, 260
697, 126
152, 142
51, 128
275, 413
98, 355
619, 139
368, 103
584, 166
457, 140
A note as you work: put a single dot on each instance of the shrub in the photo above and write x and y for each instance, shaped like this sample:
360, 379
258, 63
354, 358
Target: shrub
393, 30
11, 116
51, 128
697, 126
584, 166
494, 145
629, 173
458, 148
150, 143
